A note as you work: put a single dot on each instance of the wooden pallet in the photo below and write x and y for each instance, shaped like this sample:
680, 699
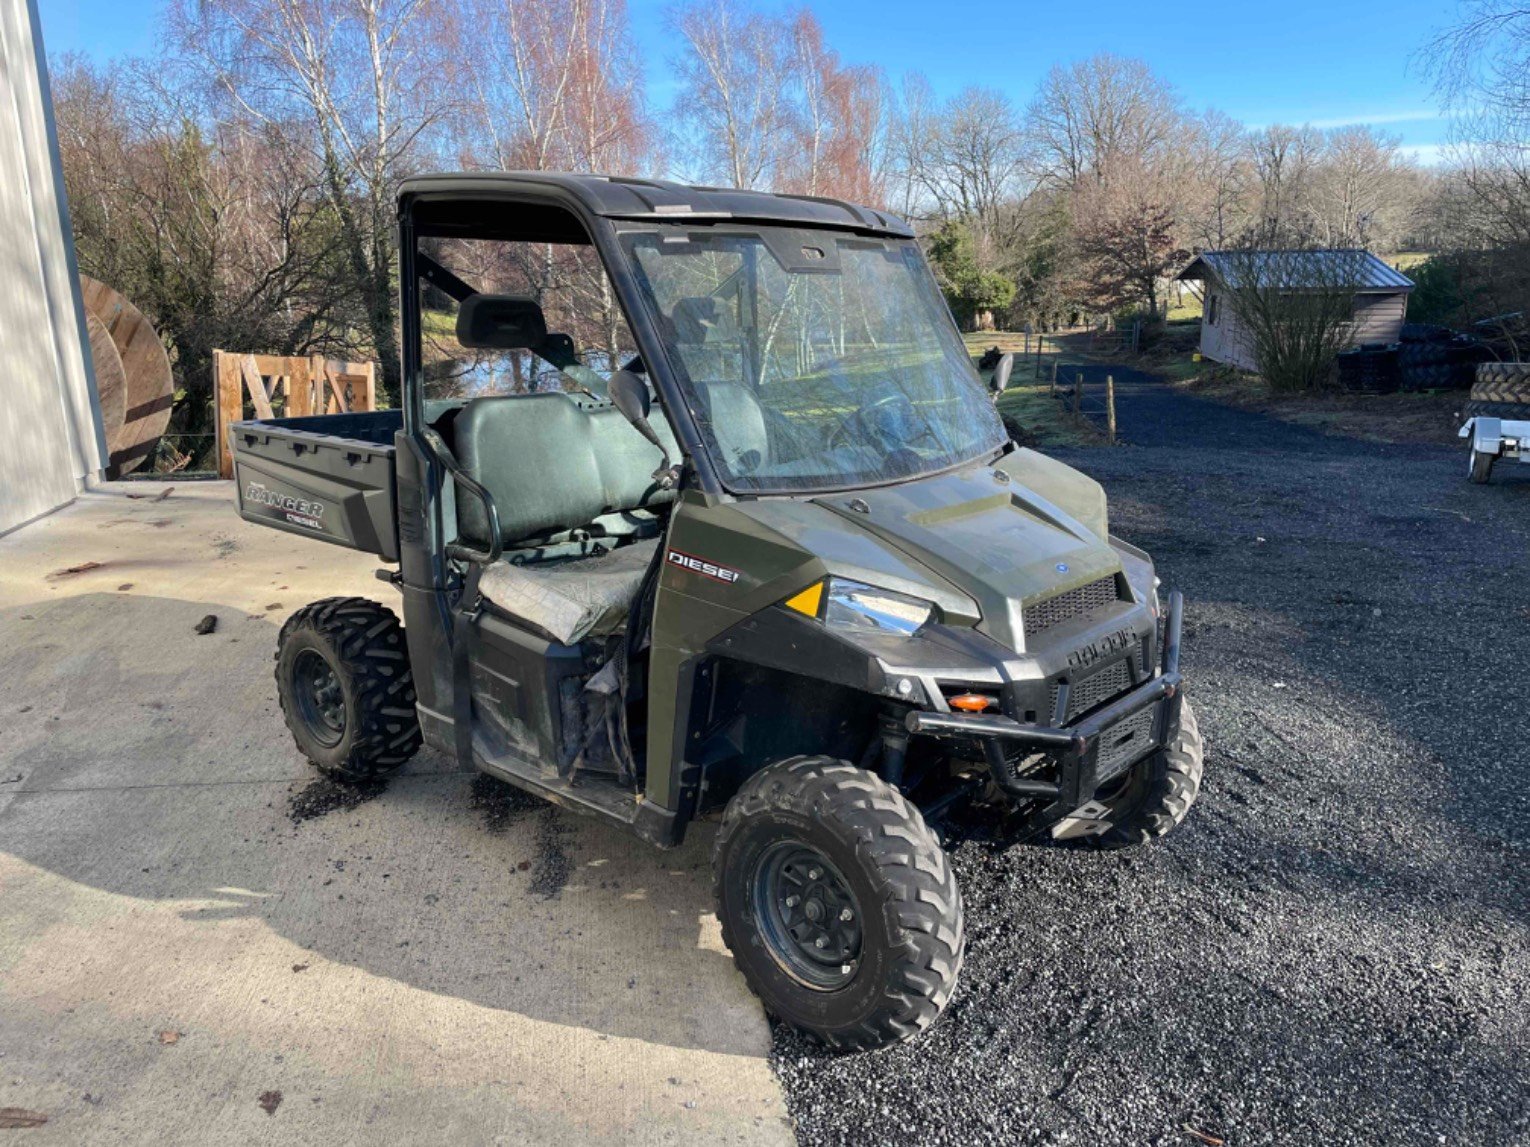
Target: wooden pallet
301, 385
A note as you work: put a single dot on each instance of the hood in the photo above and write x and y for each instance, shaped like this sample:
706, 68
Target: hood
983, 532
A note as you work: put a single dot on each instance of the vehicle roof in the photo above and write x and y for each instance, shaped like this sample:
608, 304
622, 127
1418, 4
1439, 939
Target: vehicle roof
618, 197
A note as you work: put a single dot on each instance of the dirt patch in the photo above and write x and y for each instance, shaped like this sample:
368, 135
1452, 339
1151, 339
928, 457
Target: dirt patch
324, 795
1400, 419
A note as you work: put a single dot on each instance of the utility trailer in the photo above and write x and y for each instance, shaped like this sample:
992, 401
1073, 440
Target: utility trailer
776, 564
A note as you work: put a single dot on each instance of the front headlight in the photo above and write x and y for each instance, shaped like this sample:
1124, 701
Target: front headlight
852, 605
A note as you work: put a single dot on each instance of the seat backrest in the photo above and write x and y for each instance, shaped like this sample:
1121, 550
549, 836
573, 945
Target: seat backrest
554, 462
738, 423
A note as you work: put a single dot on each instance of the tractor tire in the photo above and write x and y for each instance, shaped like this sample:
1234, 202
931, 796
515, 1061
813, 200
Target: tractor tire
839, 906
1480, 469
1148, 800
346, 690
1502, 390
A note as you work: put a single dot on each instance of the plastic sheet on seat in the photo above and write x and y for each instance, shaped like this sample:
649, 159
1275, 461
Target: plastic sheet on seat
569, 601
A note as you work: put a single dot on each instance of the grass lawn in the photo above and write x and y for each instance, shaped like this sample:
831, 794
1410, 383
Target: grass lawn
1027, 401
1400, 418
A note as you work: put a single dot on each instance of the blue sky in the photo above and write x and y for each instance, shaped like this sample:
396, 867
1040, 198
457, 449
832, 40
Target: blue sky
1294, 61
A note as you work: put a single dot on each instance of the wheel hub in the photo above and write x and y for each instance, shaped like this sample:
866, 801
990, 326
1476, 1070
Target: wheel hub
807, 915
318, 691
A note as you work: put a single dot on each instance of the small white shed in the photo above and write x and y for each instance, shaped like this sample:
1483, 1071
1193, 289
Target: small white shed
1380, 295
51, 441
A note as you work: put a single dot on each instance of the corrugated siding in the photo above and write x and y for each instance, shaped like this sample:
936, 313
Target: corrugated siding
1379, 318
1226, 341
49, 439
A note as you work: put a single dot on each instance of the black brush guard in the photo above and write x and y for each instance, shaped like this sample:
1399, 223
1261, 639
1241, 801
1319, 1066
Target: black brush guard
1076, 748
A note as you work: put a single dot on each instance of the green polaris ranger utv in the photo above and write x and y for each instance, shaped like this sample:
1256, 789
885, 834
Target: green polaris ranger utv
696, 505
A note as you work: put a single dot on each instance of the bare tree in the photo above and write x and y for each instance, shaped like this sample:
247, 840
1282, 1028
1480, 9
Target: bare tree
549, 85
734, 68
1095, 114
839, 122
1284, 159
965, 159
361, 79
1361, 193
214, 229
1218, 188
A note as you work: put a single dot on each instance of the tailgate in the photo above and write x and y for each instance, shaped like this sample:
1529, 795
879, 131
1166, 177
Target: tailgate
329, 477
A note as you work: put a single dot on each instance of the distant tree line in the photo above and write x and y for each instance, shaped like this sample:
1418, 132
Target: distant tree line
239, 185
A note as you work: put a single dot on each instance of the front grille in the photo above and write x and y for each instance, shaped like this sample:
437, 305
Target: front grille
1093, 691
1124, 742
1069, 604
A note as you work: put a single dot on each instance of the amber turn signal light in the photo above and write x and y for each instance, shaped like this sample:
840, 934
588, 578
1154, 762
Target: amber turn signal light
970, 702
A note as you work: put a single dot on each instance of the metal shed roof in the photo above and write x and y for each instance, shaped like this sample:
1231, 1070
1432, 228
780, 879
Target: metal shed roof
653, 199
1300, 270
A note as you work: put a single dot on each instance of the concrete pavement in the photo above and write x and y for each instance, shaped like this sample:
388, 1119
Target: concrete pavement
181, 962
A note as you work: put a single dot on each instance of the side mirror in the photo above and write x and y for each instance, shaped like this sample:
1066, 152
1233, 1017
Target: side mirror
500, 322
1001, 373
629, 394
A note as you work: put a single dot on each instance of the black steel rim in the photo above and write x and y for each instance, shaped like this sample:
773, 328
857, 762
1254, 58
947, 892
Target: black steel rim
1127, 780
807, 915
317, 689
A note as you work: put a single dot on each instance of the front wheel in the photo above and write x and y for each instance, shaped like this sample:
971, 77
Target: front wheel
342, 675
1149, 799
839, 905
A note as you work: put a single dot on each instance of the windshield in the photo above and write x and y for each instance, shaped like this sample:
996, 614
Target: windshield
813, 361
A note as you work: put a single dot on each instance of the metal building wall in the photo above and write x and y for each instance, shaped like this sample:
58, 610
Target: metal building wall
50, 423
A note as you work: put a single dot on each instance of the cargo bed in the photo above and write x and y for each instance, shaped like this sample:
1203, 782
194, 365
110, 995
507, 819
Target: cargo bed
330, 476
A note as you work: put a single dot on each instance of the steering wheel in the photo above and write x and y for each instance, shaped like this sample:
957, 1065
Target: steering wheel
869, 420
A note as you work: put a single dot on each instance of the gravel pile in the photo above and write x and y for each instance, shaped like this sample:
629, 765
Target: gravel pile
1335, 948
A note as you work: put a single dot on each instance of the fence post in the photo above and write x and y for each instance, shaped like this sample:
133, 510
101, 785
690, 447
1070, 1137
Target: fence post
1038, 356
1078, 394
228, 406
1053, 392
1110, 409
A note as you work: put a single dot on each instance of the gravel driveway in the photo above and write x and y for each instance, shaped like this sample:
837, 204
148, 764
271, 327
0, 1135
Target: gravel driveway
1334, 948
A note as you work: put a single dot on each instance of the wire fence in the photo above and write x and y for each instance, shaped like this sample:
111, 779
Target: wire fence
1069, 386
180, 454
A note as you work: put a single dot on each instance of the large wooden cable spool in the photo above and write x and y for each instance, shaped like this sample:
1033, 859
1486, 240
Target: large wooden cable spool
111, 379
133, 427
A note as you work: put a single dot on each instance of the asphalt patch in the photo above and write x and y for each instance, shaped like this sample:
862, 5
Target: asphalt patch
324, 795
553, 866
502, 805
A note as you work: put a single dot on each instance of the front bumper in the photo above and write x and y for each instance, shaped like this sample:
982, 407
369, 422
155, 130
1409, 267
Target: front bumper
1087, 753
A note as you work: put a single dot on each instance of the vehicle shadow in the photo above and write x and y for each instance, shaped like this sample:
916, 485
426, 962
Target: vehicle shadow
151, 763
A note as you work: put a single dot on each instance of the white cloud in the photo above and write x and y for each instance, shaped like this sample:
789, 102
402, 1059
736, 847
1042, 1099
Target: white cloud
1380, 118
1425, 154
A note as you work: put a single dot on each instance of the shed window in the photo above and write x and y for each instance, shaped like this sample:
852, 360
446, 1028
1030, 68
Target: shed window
1212, 309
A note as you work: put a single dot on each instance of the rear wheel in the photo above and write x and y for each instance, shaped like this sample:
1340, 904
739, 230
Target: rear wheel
1481, 466
838, 904
342, 675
